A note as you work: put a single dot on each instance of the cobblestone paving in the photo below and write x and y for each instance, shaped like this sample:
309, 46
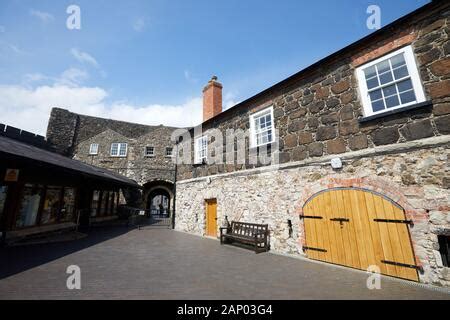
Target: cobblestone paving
121, 263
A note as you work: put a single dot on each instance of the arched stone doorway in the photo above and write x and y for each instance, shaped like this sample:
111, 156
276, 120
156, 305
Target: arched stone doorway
158, 198
158, 202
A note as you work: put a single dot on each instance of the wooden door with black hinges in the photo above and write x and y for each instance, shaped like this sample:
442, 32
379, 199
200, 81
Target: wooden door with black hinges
358, 229
211, 218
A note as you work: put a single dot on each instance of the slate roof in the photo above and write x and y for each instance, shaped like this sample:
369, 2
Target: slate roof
25, 151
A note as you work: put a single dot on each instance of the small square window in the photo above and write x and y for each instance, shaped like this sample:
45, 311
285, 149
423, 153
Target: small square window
390, 82
169, 152
93, 149
149, 151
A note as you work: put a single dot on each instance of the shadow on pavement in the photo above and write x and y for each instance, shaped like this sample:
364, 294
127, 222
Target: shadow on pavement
17, 259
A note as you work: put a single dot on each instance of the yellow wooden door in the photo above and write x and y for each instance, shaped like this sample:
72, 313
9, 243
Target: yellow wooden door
357, 228
211, 218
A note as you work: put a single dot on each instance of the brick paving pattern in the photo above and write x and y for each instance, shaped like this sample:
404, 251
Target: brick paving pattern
121, 263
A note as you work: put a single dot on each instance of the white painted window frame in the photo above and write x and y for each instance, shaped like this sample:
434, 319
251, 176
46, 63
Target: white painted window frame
120, 146
413, 73
149, 154
171, 152
93, 149
198, 147
253, 133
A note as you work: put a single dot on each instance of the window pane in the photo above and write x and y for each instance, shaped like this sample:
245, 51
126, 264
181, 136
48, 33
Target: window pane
404, 85
94, 203
408, 96
123, 149
3, 193
375, 95
401, 72
398, 60
29, 205
370, 72
392, 101
372, 83
104, 204
383, 66
390, 90
386, 77
68, 205
52, 204
378, 105
114, 149
93, 149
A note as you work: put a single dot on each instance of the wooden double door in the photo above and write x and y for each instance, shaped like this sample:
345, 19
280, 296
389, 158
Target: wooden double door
358, 229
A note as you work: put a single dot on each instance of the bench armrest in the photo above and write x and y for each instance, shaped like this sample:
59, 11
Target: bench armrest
224, 228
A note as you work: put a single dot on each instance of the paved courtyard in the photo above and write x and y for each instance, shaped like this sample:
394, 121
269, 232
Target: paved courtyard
121, 263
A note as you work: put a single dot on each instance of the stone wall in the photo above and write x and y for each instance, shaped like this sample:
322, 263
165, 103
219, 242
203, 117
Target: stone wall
415, 176
135, 165
73, 134
320, 113
61, 130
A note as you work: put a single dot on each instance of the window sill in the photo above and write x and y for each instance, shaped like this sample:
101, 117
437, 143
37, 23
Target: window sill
199, 164
395, 111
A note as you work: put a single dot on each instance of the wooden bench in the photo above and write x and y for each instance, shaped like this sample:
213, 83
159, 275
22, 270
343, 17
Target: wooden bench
247, 233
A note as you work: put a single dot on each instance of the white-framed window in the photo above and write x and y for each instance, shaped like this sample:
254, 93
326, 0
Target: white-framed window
262, 128
119, 149
201, 149
390, 82
169, 152
93, 149
149, 151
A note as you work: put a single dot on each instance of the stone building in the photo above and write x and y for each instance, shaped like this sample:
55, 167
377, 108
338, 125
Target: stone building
139, 152
379, 111
346, 160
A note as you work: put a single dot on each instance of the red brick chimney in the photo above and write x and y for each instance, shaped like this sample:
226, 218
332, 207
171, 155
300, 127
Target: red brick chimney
212, 99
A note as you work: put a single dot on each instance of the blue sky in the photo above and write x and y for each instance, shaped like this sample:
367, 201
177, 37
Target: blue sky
147, 61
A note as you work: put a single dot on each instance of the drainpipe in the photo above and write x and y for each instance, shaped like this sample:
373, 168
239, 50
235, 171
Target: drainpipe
175, 184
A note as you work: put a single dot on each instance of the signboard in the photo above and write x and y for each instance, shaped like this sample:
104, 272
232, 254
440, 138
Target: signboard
12, 175
142, 213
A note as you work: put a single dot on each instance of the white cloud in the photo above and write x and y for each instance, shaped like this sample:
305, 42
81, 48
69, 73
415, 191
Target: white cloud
29, 108
138, 24
45, 17
72, 77
34, 77
83, 57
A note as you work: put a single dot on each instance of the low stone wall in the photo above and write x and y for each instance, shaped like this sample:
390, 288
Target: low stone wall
416, 178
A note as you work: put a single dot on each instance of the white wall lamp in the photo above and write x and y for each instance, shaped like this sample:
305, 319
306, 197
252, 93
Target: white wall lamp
336, 163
